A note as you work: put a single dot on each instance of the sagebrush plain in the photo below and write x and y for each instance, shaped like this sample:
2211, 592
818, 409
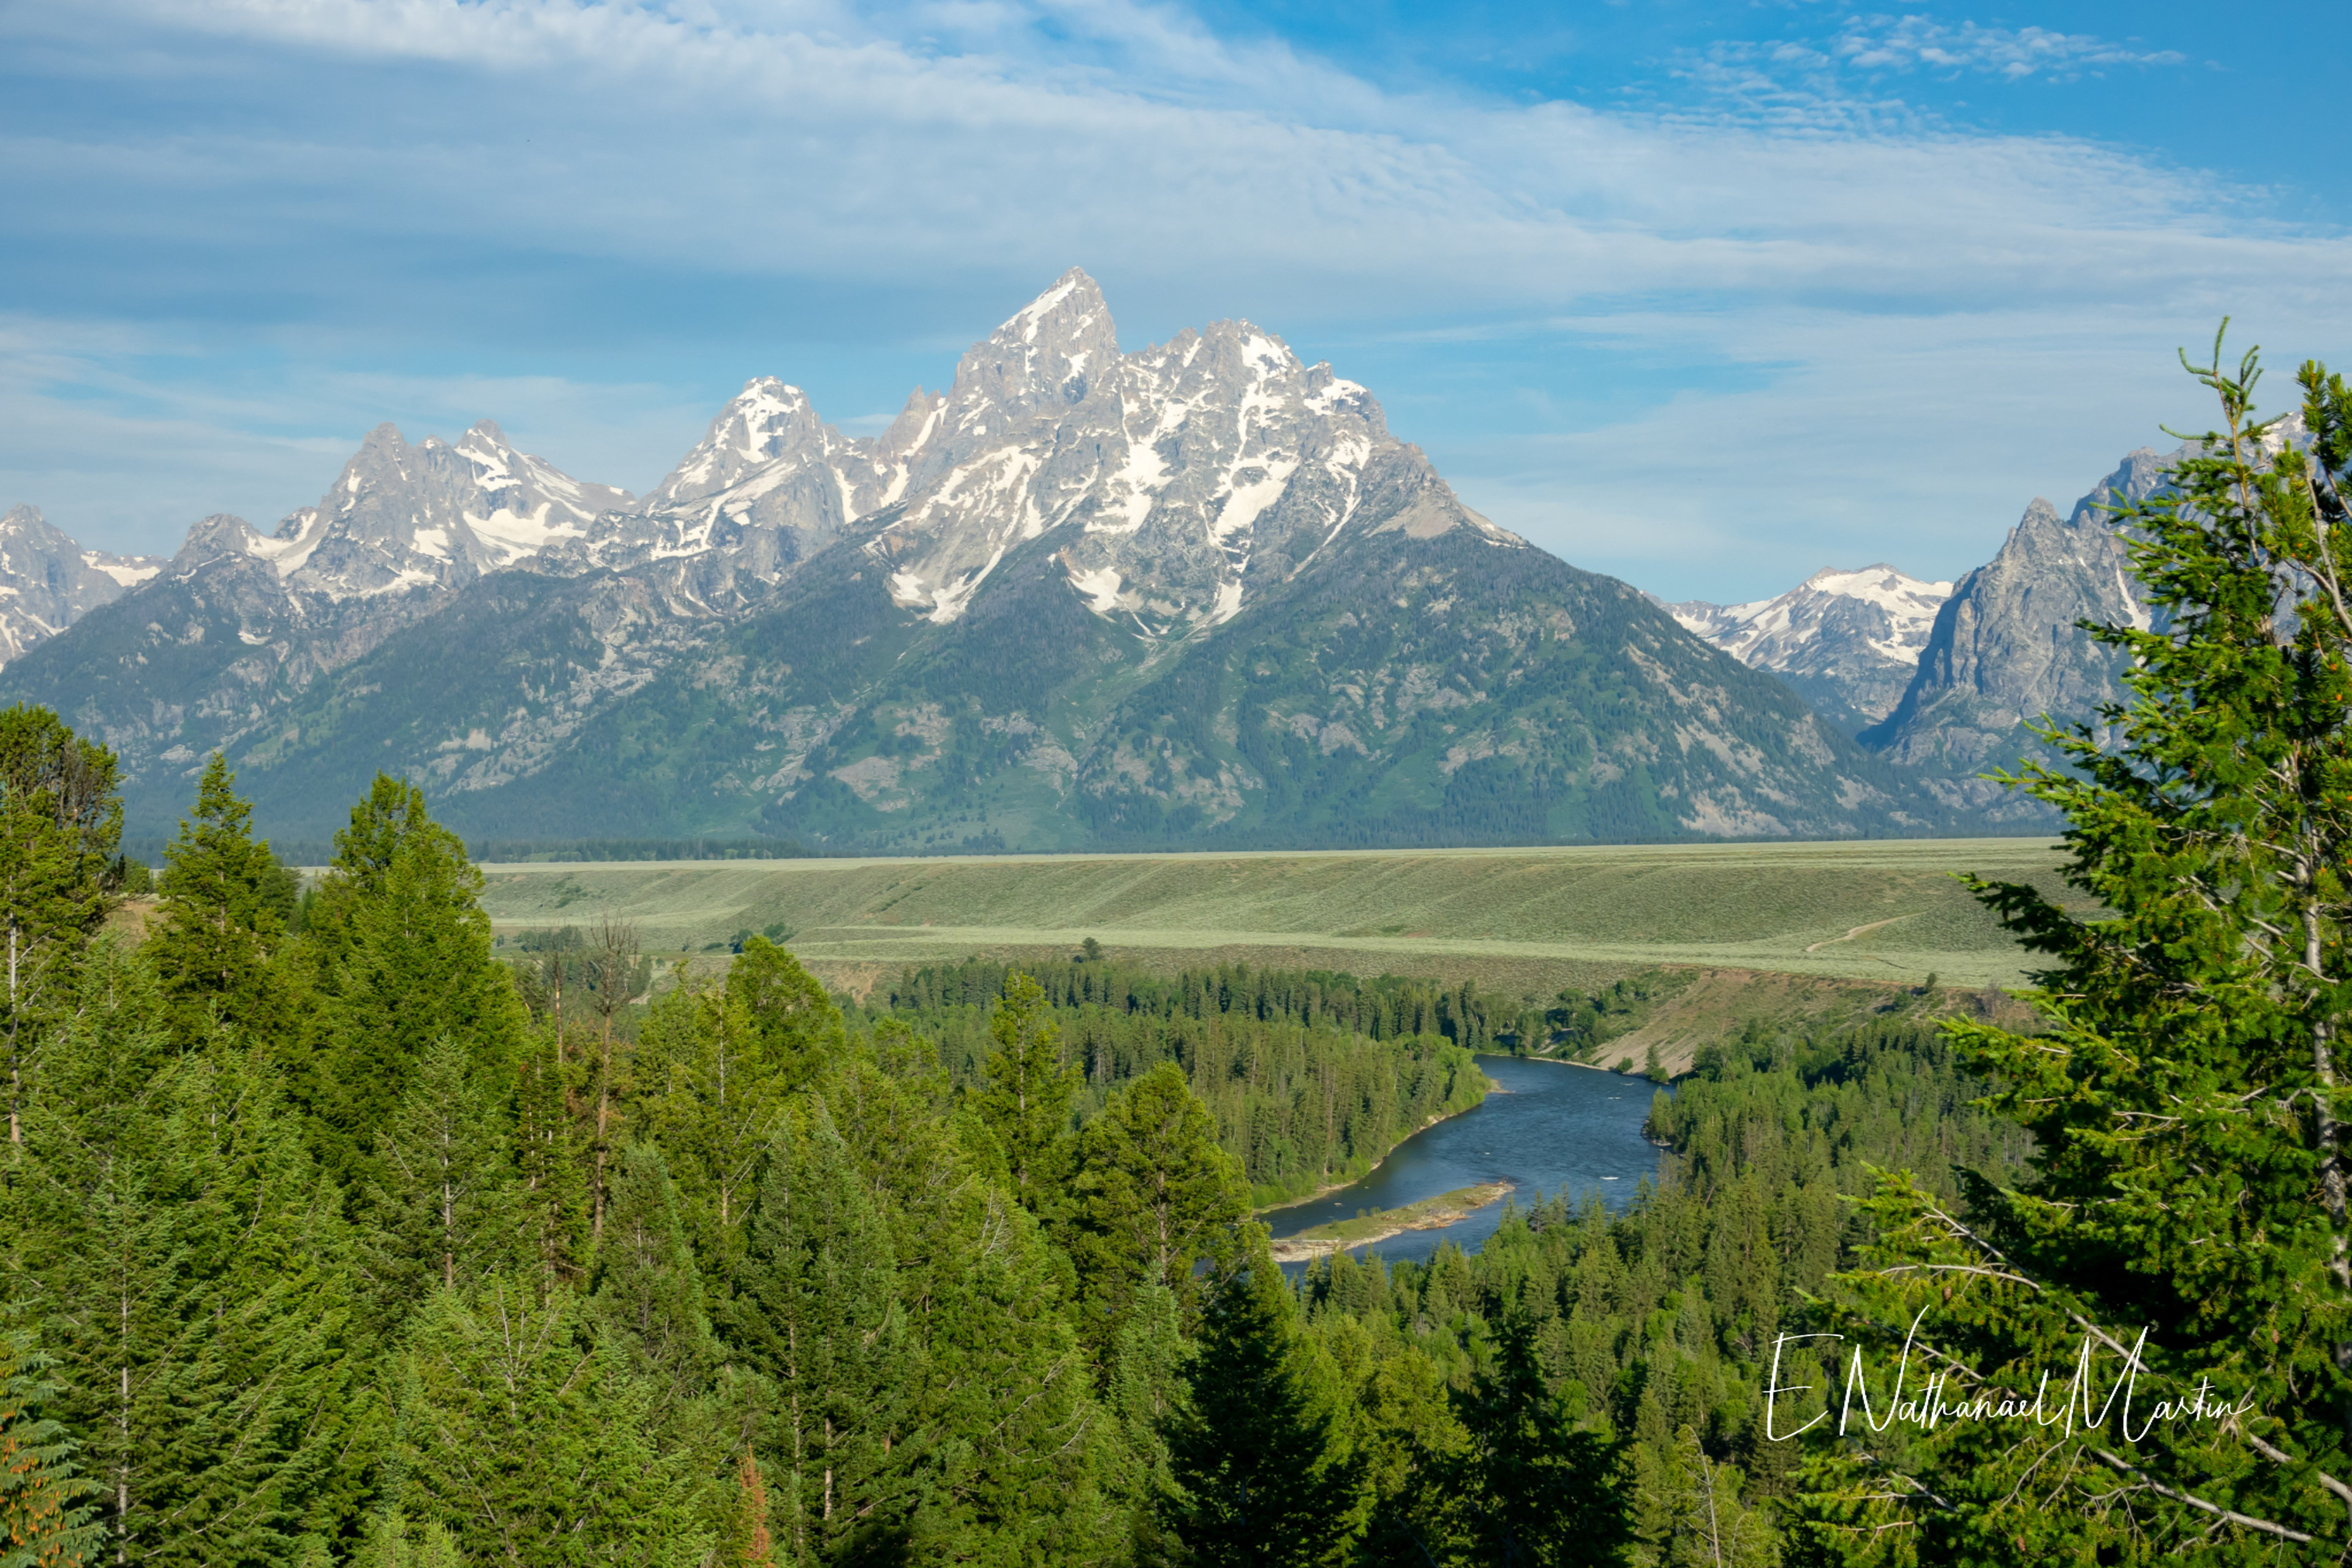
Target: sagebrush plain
1530, 919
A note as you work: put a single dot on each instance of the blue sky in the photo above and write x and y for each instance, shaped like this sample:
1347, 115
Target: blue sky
1705, 295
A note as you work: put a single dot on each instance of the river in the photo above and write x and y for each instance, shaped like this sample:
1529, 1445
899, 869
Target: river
1551, 1128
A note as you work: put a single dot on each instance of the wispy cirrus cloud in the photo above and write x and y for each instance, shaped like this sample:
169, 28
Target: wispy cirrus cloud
1924, 44
570, 204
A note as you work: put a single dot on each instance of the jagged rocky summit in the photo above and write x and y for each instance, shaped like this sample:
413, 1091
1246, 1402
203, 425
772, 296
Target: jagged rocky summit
1194, 595
47, 581
2006, 647
1946, 681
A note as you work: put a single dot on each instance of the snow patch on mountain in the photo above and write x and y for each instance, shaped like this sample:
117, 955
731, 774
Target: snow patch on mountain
1848, 641
1775, 633
47, 581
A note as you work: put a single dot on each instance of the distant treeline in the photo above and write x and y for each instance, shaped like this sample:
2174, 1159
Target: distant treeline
515, 849
1382, 1008
1310, 1076
149, 850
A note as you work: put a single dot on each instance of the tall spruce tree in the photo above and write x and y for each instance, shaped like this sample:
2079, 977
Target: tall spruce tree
1263, 1474
714, 1087
220, 923
393, 1542
645, 1293
1688, 1512
192, 1271
1026, 1100
818, 1317
1147, 1390
60, 821
532, 1444
45, 1518
551, 1162
1533, 1491
442, 1208
2187, 1092
800, 1029
399, 954
1153, 1196
1009, 1444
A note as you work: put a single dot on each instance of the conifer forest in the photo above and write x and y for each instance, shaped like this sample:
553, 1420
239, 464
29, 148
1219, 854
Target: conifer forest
334, 1232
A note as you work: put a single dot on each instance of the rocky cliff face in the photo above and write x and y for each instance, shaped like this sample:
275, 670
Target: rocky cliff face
2006, 647
1197, 593
1847, 642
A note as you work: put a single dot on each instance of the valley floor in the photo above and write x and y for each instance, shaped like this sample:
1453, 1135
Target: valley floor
1525, 920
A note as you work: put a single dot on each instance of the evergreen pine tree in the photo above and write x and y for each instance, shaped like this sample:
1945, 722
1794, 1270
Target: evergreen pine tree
647, 1296
393, 1542
60, 820
715, 1086
1535, 1491
533, 1444
801, 1031
1410, 1443
2187, 1092
44, 1521
220, 925
442, 1208
1255, 1450
551, 1166
1026, 1098
193, 1270
817, 1316
1153, 1196
1690, 1514
1147, 1389
401, 957
1006, 1447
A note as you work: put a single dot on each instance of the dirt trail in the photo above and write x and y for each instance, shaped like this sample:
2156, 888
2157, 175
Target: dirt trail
1856, 931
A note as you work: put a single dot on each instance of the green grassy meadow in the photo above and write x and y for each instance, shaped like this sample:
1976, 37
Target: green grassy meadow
1516, 920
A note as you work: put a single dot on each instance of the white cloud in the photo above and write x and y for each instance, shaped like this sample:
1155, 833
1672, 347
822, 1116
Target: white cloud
1921, 43
109, 433
707, 138
1886, 278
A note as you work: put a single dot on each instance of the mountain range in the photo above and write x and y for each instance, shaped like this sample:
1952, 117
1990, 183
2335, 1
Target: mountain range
1946, 681
1193, 595
47, 581
1848, 642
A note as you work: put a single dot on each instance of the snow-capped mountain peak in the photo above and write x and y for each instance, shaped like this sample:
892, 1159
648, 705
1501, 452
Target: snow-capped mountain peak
1848, 639
767, 421
1770, 633
47, 581
1044, 356
402, 516
1189, 470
